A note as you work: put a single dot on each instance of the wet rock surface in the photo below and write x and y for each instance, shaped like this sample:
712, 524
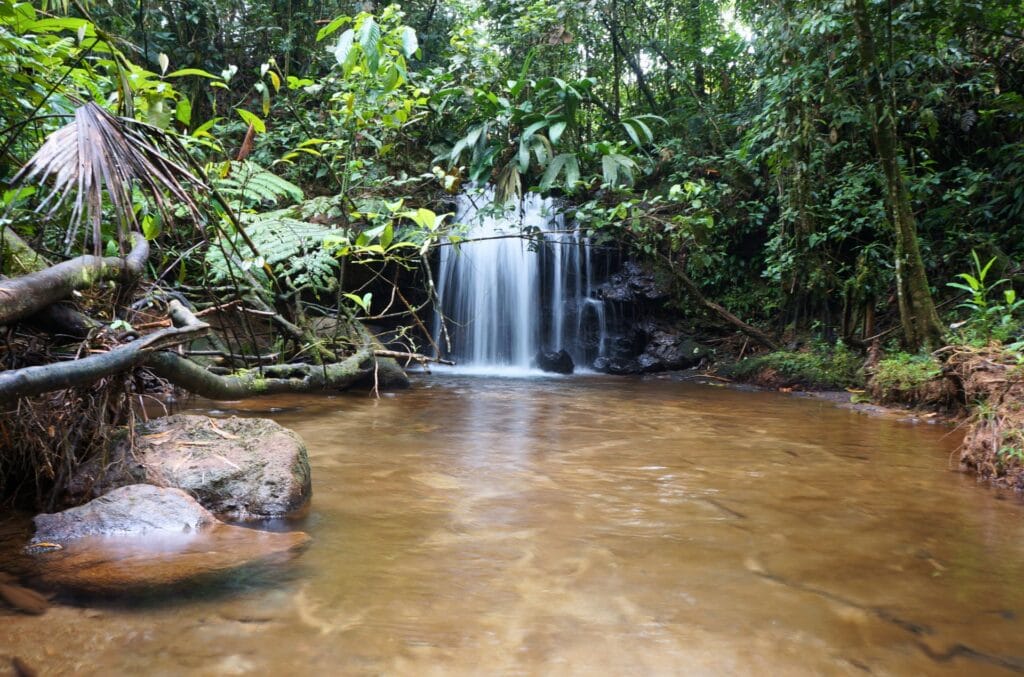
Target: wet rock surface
632, 284
142, 537
243, 468
133, 509
652, 346
127, 564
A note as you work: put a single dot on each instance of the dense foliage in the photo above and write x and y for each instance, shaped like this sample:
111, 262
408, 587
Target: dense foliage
824, 165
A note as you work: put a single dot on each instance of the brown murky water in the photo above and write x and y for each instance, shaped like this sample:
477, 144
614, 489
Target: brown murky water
594, 526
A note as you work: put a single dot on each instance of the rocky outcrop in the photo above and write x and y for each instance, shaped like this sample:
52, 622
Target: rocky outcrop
632, 284
141, 538
242, 468
653, 346
555, 362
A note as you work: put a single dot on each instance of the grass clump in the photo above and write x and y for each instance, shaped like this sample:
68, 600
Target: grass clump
820, 366
913, 380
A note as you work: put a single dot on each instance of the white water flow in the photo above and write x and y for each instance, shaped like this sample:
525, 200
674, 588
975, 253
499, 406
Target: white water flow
503, 297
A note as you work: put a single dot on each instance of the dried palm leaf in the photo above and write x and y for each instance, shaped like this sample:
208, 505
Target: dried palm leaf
98, 151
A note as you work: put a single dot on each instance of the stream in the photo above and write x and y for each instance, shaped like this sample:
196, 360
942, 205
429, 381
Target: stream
591, 525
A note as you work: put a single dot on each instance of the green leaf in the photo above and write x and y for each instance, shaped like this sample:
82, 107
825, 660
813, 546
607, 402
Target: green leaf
555, 131
361, 301
150, 227
331, 27
343, 49
609, 169
204, 129
252, 119
183, 111
192, 71
369, 40
409, 41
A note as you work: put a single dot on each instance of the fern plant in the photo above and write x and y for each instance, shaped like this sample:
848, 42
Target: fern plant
299, 252
247, 185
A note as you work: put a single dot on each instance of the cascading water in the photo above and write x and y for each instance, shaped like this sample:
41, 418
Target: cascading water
502, 297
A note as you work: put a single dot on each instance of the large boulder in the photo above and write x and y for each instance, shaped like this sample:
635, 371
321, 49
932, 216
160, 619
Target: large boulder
670, 350
242, 468
556, 362
141, 538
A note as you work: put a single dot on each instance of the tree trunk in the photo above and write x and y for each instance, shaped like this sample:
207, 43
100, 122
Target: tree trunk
920, 321
694, 291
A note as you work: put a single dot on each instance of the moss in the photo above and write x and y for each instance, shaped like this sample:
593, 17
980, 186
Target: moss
820, 366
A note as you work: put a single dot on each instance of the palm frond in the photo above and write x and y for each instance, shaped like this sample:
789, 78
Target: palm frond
98, 151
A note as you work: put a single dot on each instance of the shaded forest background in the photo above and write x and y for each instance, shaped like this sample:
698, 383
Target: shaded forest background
849, 171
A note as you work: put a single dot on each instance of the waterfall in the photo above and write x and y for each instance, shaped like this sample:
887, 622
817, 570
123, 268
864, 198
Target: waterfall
501, 297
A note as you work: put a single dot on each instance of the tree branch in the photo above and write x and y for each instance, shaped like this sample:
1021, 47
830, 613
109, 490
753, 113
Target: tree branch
28, 294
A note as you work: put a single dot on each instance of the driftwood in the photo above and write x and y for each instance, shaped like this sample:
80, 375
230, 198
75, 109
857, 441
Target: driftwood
150, 351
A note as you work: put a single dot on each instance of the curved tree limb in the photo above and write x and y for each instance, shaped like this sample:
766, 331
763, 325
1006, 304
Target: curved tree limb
28, 294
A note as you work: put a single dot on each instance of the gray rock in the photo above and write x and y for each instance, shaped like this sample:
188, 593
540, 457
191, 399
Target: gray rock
132, 509
141, 538
243, 468
667, 351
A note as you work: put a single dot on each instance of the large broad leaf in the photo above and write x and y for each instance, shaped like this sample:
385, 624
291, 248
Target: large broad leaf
566, 161
556, 130
409, 42
343, 49
331, 27
252, 119
369, 40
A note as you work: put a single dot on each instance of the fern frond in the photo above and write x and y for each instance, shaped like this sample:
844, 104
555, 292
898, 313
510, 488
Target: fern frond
248, 185
299, 252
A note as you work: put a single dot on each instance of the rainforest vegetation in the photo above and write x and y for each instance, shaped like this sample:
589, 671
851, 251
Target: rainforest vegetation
224, 196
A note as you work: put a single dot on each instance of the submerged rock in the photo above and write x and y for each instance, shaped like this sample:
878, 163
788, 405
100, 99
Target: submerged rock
556, 362
243, 468
142, 537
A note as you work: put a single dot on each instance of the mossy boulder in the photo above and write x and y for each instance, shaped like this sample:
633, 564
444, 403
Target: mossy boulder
241, 468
